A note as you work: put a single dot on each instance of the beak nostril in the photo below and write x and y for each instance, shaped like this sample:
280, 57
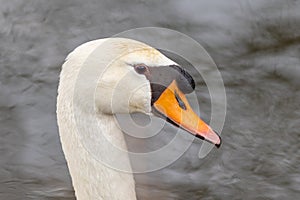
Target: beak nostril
172, 108
179, 101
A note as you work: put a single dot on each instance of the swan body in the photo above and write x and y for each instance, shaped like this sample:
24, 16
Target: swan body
116, 60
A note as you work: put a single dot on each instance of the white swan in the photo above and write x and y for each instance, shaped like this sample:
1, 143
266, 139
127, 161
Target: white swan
145, 71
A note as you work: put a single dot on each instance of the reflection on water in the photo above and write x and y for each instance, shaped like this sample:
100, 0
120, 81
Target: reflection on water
254, 43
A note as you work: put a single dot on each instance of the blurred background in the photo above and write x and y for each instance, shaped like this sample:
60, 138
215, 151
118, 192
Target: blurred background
255, 44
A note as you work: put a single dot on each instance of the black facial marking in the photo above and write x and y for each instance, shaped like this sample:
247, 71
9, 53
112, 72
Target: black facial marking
179, 101
185, 81
161, 77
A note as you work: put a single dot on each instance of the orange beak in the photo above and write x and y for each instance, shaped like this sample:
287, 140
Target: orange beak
173, 104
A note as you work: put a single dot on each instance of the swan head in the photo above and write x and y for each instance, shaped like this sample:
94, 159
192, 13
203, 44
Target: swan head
135, 77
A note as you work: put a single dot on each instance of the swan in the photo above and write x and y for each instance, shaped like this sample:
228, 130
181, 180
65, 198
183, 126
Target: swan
154, 85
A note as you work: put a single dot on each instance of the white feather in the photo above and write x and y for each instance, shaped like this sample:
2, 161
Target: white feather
117, 88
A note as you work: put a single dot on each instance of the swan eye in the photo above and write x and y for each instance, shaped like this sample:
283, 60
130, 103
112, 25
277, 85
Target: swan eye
140, 69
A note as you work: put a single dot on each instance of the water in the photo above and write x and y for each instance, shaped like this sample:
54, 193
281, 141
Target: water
255, 45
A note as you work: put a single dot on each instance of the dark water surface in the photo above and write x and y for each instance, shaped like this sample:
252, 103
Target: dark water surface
256, 45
